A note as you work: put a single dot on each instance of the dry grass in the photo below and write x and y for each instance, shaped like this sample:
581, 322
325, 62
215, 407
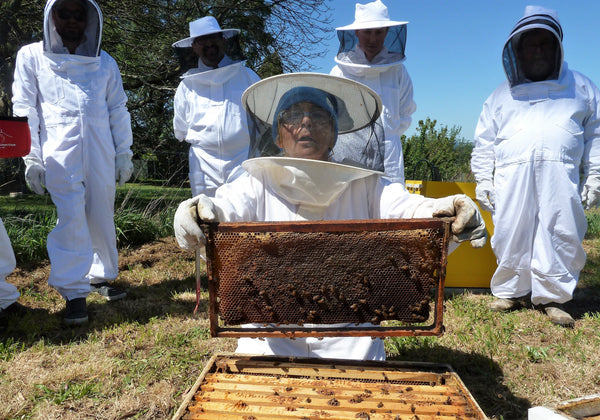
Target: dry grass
137, 357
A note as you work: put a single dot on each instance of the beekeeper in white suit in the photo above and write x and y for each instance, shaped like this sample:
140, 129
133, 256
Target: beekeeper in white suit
72, 94
8, 292
372, 52
536, 132
208, 112
307, 111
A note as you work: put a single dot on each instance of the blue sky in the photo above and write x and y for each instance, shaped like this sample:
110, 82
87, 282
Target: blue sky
453, 49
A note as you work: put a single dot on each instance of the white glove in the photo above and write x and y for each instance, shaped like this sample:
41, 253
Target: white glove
484, 192
590, 195
185, 224
123, 168
468, 224
35, 175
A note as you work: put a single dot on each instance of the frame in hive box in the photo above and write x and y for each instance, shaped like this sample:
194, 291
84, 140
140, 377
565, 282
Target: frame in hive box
254, 387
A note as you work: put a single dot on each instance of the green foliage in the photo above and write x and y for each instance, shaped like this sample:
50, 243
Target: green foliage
68, 392
437, 154
9, 348
536, 354
593, 221
29, 235
143, 213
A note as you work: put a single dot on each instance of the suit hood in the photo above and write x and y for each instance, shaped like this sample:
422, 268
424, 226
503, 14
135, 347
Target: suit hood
535, 17
92, 37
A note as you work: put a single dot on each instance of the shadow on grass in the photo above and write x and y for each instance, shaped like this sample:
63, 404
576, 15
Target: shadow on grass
480, 374
142, 305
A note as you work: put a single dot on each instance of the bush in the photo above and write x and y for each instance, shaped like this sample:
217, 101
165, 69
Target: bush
593, 220
135, 229
28, 236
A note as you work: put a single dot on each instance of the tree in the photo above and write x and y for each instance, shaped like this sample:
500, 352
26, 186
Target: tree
438, 155
276, 36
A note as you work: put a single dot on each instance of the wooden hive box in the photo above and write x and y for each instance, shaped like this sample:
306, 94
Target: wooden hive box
274, 387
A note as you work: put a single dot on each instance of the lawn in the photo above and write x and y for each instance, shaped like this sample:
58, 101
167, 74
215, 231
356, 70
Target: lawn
138, 357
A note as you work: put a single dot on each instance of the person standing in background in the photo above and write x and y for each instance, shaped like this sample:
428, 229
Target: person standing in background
372, 52
72, 93
208, 110
537, 132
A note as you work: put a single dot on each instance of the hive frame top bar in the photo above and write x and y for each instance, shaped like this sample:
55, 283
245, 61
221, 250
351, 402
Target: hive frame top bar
303, 386
244, 235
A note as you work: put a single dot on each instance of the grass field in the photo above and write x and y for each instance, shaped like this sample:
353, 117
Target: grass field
138, 357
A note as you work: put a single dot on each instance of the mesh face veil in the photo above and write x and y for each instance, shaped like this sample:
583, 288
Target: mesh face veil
394, 45
535, 17
188, 60
354, 107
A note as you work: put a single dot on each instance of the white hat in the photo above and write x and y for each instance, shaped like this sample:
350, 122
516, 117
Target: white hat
358, 105
371, 15
204, 26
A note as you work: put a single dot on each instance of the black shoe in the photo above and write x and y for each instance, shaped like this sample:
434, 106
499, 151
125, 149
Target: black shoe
107, 291
14, 309
76, 312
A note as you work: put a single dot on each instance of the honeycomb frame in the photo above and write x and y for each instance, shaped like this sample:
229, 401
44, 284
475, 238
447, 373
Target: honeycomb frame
327, 278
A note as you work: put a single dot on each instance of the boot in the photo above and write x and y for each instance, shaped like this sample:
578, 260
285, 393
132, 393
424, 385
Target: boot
505, 304
557, 314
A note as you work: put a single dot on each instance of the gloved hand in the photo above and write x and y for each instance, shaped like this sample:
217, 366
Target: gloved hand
35, 175
185, 223
484, 192
590, 195
468, 224
123, 168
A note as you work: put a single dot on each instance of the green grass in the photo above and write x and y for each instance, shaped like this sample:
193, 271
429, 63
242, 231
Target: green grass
143, 213
138, 357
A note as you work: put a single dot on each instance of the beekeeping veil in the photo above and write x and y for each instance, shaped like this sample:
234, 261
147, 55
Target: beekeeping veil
207, 25
372, 15
358, 150
90, 45
535, 17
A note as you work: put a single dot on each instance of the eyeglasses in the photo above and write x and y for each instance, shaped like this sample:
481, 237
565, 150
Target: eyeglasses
78, 15
293, 119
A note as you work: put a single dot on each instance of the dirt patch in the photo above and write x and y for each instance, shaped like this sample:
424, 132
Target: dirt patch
158, 256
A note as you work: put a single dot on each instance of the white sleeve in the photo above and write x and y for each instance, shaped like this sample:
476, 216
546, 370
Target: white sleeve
397, 203
483, 157
241, 200
591, 133
180, 111
116, 100
407, 105
25, 96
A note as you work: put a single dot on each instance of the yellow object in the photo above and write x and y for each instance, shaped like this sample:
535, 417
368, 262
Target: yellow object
467, 266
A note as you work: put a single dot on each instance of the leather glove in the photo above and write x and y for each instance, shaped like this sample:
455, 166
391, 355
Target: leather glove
35, 175
590, 195
185, 223
468, 224
484, 192
123, 168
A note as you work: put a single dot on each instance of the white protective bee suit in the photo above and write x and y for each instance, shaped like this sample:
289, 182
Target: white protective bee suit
8, 292
276, 188
208, 114
531, 142
385, 74
80, 126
